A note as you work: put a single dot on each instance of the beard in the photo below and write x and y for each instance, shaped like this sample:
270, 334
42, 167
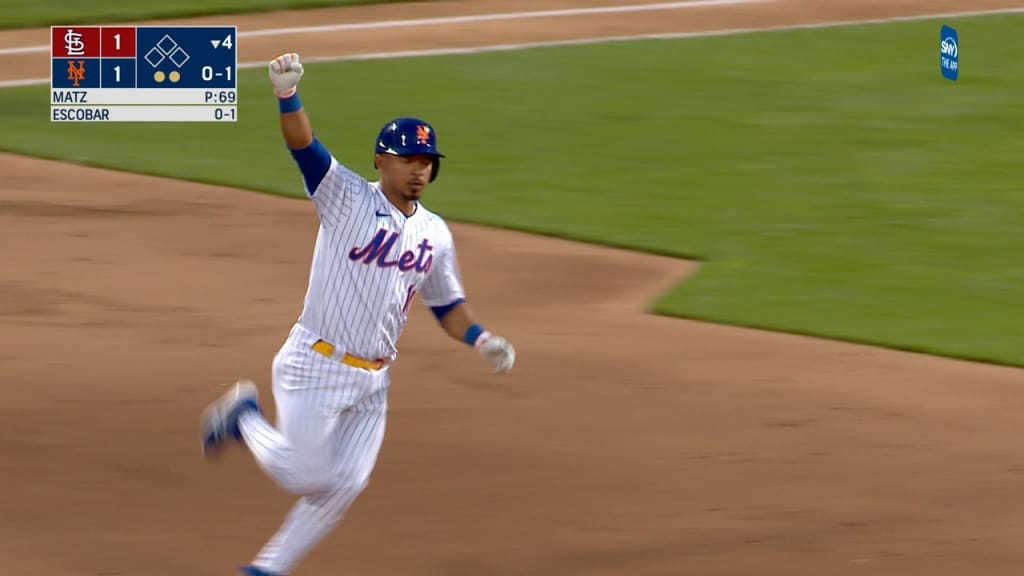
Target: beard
413, 191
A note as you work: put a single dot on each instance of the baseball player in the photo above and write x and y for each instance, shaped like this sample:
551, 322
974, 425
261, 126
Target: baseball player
377, 248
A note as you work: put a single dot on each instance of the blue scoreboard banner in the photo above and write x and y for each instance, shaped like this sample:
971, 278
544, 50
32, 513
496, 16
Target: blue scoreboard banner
100, 72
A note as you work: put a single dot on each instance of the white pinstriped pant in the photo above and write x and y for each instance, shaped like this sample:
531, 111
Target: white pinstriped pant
330, 426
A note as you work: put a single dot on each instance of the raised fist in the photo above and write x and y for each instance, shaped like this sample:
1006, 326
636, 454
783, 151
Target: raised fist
285, 72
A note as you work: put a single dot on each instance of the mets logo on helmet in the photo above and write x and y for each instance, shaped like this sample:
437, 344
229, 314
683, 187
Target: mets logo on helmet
423, 134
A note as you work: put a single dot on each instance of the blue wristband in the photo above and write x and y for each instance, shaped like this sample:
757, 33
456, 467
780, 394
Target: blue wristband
289, 104
473, 333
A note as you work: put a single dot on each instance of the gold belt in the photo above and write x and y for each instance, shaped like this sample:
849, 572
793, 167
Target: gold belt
325, 348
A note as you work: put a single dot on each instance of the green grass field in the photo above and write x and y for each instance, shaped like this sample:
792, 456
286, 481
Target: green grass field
831, 180
28, 13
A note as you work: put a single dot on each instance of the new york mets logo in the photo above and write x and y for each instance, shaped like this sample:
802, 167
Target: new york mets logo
76, 74
423, 134
377, 250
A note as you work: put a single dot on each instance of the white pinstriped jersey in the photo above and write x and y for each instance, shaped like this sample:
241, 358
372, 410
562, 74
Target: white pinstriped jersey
369, 262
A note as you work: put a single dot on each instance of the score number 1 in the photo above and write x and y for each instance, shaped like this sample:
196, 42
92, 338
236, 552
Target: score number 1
117, 47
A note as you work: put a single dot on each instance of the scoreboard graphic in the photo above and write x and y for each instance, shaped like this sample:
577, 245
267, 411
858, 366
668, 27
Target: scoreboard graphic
143, 74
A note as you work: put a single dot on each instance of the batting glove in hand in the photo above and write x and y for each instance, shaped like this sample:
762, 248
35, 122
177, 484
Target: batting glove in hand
285, 72
498, 351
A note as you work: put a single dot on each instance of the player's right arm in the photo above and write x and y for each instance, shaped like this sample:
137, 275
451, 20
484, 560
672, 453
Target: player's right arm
329, 189
285, 72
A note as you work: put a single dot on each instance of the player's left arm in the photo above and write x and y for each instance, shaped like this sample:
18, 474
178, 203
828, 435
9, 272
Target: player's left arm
458, 321
442, 291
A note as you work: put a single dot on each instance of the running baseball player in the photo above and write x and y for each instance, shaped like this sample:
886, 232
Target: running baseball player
377, 248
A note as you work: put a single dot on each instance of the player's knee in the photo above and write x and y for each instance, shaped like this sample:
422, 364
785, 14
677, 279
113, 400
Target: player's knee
308, 472
305, 476
320, 482
350, 483
294, 484
309, 481
344, 481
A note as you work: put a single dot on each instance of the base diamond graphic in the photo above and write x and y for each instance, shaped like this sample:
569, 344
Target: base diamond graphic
179, 57
154, 57
166, 44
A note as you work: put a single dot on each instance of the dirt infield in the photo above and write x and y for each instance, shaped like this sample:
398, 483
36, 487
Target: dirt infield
622, 444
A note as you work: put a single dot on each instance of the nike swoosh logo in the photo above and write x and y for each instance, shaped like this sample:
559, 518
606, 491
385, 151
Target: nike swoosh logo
383, 214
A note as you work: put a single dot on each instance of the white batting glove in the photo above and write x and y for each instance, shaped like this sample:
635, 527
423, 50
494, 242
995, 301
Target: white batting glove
285, 72
496, 350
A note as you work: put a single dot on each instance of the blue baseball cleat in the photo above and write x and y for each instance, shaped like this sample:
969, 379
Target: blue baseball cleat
254, 571
219, 421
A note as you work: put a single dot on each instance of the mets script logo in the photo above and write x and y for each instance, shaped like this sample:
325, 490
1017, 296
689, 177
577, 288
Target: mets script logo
73, 43
76, 74
948, 46
423, 134
380, 246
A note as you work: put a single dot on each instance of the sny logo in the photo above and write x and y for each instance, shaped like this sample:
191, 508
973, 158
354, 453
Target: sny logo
76, 74
949, 53
73, 44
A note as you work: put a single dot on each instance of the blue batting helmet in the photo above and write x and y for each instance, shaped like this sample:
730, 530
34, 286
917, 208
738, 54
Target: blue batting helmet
409, 136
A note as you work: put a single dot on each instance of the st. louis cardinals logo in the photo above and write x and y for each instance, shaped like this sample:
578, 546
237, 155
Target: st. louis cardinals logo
423, 134
377, 250
73, 44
